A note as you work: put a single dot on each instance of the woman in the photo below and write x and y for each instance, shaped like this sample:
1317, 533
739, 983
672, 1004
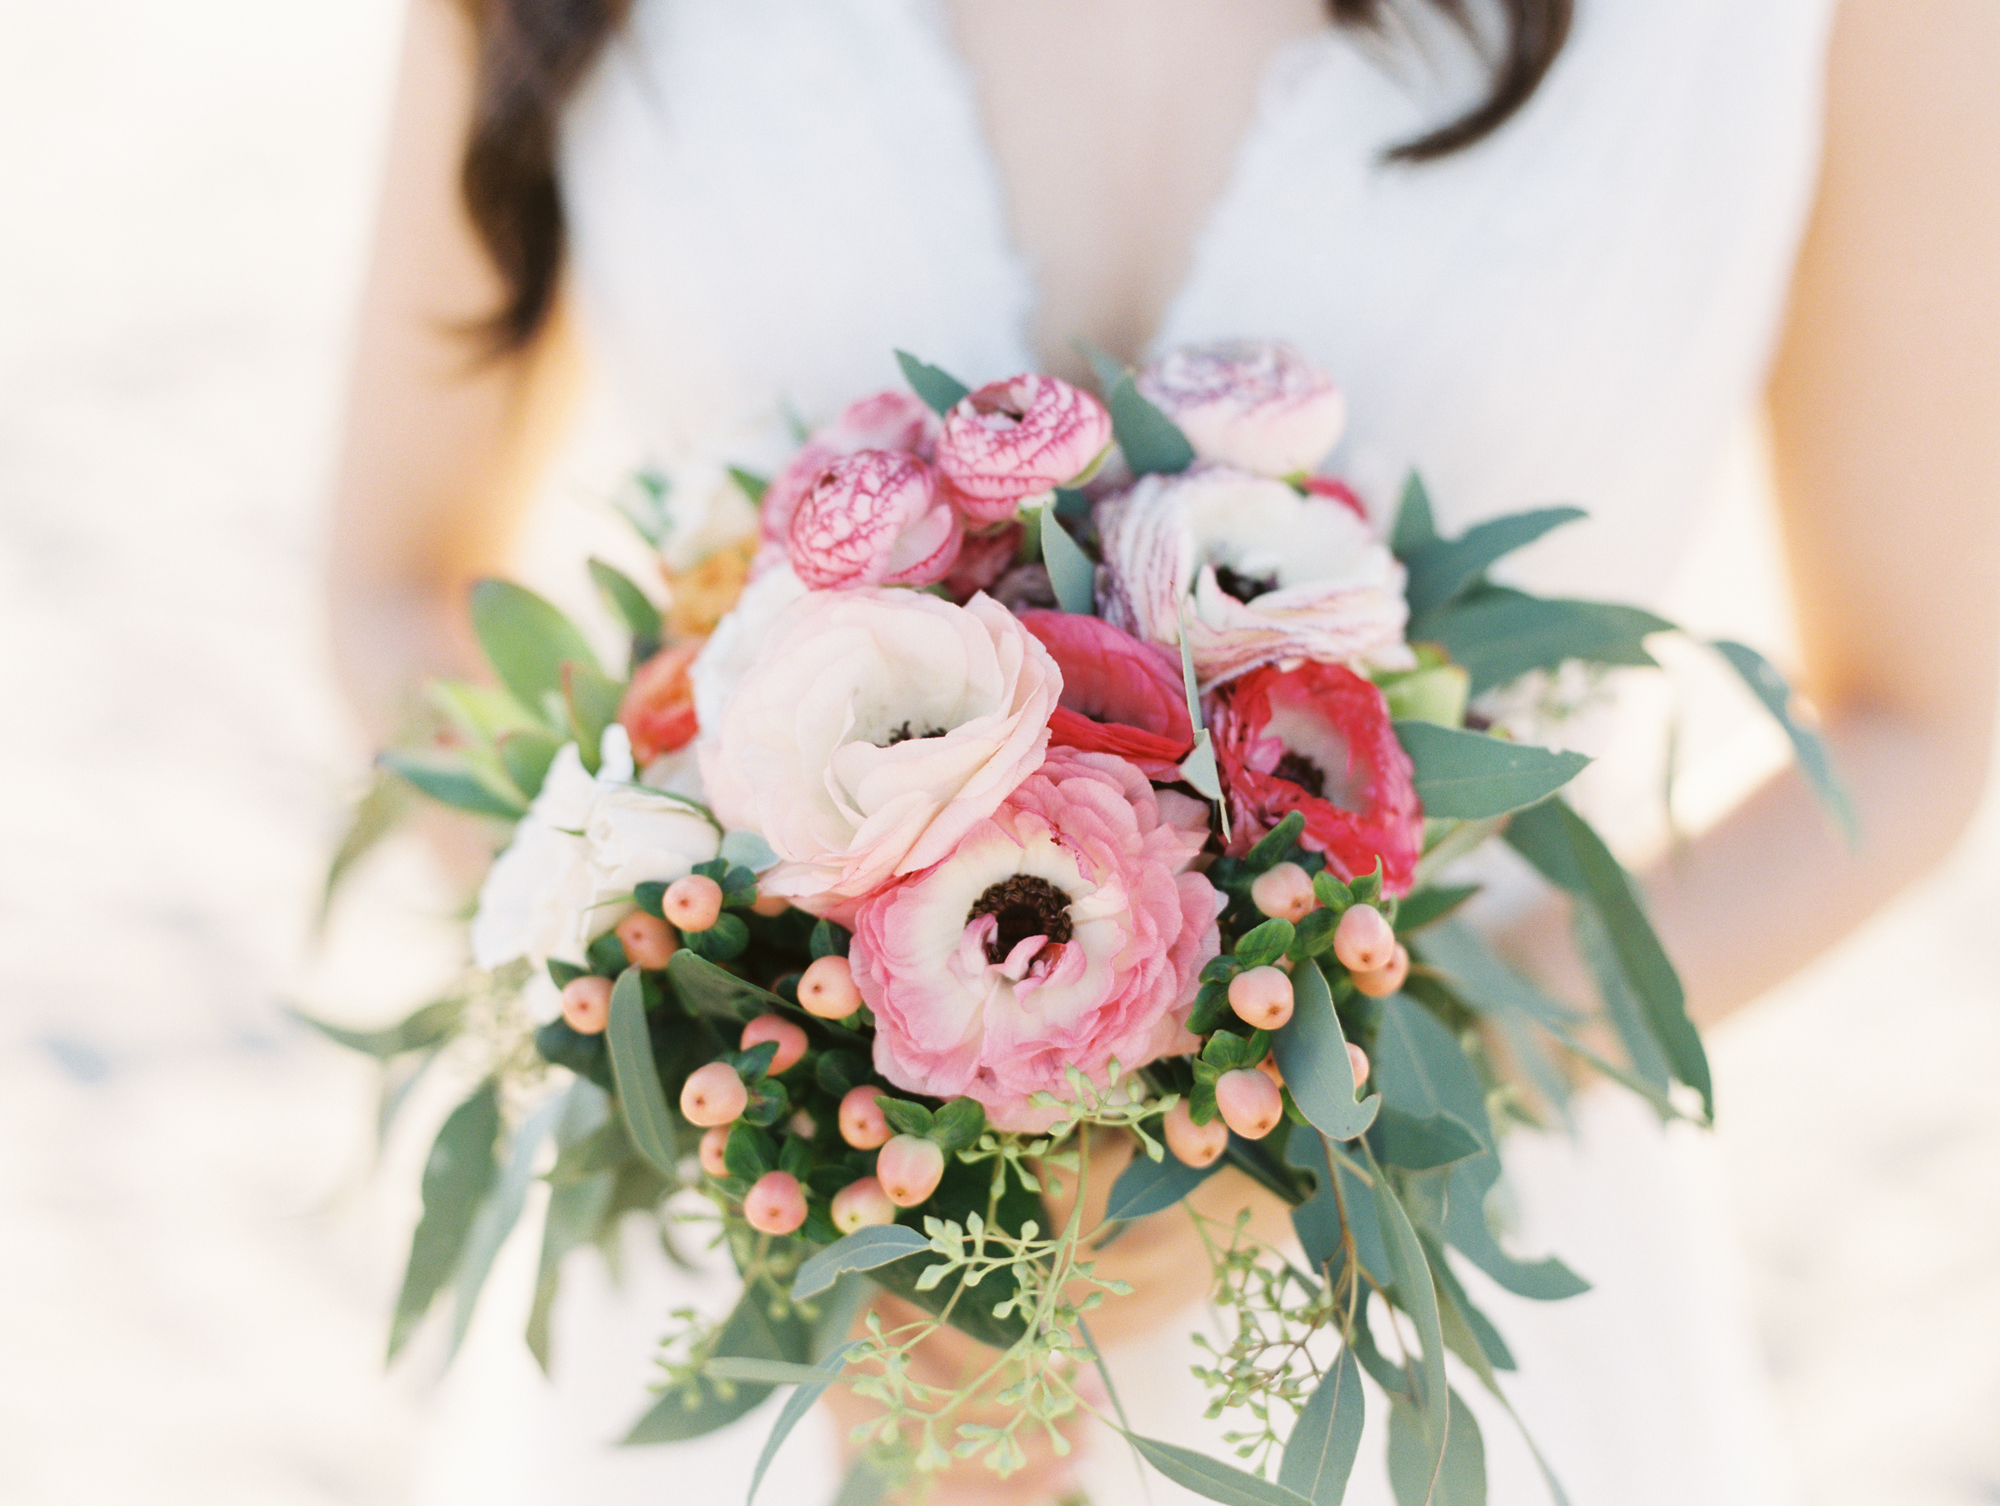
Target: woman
1600, 252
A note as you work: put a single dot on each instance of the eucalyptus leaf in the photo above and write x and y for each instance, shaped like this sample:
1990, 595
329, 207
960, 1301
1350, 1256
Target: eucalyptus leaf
1562, 845
750, 484
1422, 1070
862, 1485
429, 1026
939, 390
1428, 906
1415, 529
749, 1331
812, 1385
1482, 980
1426, 1143
1317, 1221
379, 811
1319, 1454
526, 756
498, 1214
630, 605
593, 698
1211, 1477
452, 784
1417, 1296
1815, 761
641, 1099
1469, 775
1149, 440
863, 1250
1071, 572
716, 992
1199, 769
1469, 1182
1312, 1054
1418, 1476
1441, 570
748, 849
526, 640
1500, 635
761, 1372
1147, 1186
457, 1175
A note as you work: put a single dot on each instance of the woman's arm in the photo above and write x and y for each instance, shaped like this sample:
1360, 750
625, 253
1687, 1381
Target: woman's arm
442, 446
1885, 410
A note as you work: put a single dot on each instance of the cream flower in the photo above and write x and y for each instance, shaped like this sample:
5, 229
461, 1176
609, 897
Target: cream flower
1267, 574
874, 729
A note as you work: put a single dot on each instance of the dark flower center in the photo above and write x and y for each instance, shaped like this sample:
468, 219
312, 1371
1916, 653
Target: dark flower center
905, 734
1303, 772
1024, 906
1243, 587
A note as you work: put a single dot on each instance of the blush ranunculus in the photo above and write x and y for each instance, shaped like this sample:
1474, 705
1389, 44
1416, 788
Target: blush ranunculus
983, 558
1268, 574
886, 421
1318, 739
657, 711
1118, 696
1013, 442
874, 518
1063, 930
872, 730
1257, 405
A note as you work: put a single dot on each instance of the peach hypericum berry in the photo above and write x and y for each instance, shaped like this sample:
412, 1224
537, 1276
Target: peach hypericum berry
714, 1140
714, 1095
775, 1203
1261, 996
826, 989
586, 1004
1284, 892
1380, 984
648, 940
769, 905
1194, 1144
861, 1123
909, 1168
1364, 941
1269, 1067
775, 1027
861, 1203
693, 903
1249, 1102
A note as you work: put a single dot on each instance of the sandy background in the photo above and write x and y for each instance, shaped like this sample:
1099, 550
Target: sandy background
196, 1268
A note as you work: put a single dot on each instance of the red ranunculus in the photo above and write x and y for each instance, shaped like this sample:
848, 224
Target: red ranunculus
1119, 695
1317, 739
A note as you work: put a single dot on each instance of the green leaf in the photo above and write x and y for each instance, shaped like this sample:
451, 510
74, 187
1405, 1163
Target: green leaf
1211, 1477
1312, 1053
1319, 1455
1151, 443
1265, 943
750, 1331
527, 641
1071, 571
1415, 529
1428, 906
940, 390
1562, 845
1545, 1280
526, 756
863, 1250
457, 1175
1482, 980
1808, 747
629, 604
750, 484
865, 1485
1500, 635
592, 697
1441, 570
454, 785
1468, 775
747, 849
710, 990
429, 1026
575, 1216
1275, 843
1148, 1186
1423, 1071
1647, 1058
1426, 1143
1417, 1296
721, 942
498, 1214
958, 1124
829, 940
1460, 1476
1199, 769
379, 811
811, 1386
642, 502
904, 1117
641, 1099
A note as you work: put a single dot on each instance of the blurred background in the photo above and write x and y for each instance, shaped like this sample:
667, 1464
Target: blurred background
197, 1245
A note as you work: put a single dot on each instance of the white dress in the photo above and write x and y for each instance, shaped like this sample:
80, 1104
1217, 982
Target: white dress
768, 196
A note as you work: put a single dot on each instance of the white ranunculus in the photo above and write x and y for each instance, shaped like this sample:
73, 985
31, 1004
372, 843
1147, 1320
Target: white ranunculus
583, 846
875, 728
1267, 574
734, 645
1255, 404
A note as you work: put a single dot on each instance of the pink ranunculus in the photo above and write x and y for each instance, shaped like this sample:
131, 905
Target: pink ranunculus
1262, 573
657, 711
1119, 695
1338, 491
1015, 441
982, 559
1255, 404
1063, 930
886, 421
874, 518
873, 729
1318, 740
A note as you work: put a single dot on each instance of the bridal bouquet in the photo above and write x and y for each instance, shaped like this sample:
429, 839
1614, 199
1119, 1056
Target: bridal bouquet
1055, 787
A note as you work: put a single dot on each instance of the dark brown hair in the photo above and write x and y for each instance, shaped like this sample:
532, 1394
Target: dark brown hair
534, 53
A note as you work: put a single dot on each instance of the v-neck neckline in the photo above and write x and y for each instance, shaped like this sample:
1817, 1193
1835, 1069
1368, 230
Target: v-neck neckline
935, 19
